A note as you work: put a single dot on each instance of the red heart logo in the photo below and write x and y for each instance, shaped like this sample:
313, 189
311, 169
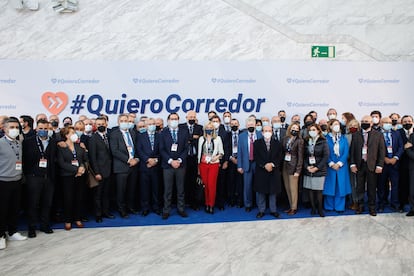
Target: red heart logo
54, 102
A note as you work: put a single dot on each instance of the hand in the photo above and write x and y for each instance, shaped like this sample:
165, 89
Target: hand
354, 169
335, 167
234, 160
132, 162
225, 165
98, 177
82, 145
268, 167
81, 170
393, 161
175, 164
296, 175
408, 145
378, 170
240, 170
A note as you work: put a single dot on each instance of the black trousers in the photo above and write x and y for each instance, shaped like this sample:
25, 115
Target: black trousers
149, 189
10, 192
234, 185
370, 177
190, 180
126, 188
172, 176
221, 192
101, 196
72, 198
39, 200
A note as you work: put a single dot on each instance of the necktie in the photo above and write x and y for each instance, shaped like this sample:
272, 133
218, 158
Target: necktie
191, 129
151, 136
174, 136
268, 145
251, 148
388, 141
105, 138
235, 140
130, 144
364, 155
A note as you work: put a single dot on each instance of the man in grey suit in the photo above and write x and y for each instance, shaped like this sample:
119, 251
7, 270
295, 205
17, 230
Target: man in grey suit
125, 160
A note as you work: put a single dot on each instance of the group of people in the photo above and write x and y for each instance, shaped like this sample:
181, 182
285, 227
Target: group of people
142, 166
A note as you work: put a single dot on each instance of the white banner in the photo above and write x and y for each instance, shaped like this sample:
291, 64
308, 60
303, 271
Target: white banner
156, 88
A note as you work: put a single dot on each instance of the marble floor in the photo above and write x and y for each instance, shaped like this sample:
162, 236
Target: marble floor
344, 245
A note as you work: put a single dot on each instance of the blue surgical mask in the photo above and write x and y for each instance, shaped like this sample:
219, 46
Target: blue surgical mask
42, 133
173, 123
277, 125
259, 128
209, 131
131, 125
124, 125
142, 130
79, 133
152, 128
387, 127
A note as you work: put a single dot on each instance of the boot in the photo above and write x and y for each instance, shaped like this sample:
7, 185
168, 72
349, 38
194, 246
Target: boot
312, 201
320, 204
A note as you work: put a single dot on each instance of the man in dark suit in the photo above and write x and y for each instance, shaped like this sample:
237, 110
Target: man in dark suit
100, 159
39, 158
278, 131
282, 115
394, 150
405, 132
409, 149
122, 142
174, 150
367, 160
267, 179
234, 179
224, 163
149, 154
194, 132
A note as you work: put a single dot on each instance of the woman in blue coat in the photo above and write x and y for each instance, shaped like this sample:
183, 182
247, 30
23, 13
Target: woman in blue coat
337, 183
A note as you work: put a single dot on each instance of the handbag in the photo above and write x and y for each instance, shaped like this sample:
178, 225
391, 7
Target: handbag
92, 182
199, 190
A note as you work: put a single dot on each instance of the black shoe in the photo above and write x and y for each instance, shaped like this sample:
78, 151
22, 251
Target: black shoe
260, 215
165, 215
321, 213
381, 209
410, 213
145, 213
359, 211
98, 219
313, 211
207, 209
275, 214
248, 209
32, 233
123, 214
108, 215
372, 212
195, 207
132, 211
183, 214
84, 219
221, 208
158, 212
46, 230
211, 211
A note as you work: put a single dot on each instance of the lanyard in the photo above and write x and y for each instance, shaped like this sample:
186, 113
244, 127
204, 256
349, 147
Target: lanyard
73, 151
40, 146
290, 141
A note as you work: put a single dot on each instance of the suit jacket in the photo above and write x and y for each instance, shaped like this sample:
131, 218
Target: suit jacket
404, 160
217, 147
264, 181
166, 141
397, 146
32, 155
282, 134
243, 150
375, 151
100, 156
410, 153
231, 151
145, 150
119, 150
296, 153
192, 142
321, 154
65, 157
225, 138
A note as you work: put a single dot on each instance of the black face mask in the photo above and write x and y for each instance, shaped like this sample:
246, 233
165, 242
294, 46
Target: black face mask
394, 122
294, 132
101, 128
191, 122
324, 127
407, 126
157, 128
308, 123
54, 123
282, 119
66, 124
251, 129
234, 128
365, 126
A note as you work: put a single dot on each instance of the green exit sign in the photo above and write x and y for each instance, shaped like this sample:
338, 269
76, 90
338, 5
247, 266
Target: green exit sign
323, 51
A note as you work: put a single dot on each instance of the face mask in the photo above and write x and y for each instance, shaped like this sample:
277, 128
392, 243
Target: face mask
407, 126
191, 122
353, 129
88, 128
50, 133
387, 127
331, 116
209, 131
313, 133
55, 124
142, 130
399, 126
394, 122
251, 129
265, 123
216, 125
66, 124
42, 133
151, 128
173, 123
131, 125
282, 119
22, 125
124, 125
343, 123
74, 138
324, 127
336, 128
234, 128
375, 120
365, 126
277, 125
259, 128
14, 132
324, 133
157, 128
308, 123
79, 133
294, 132
226, 120
101, 128
296, 122
267, 135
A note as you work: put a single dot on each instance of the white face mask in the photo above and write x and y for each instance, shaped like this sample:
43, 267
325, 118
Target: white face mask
124, 125
259, 128
331, 116
313, 133
375, 120
88, 128
173, 123
387, 127
277, 125
265, 123
131, 125
267, 135
216, 125
50, 133
336, 128
74, 138
226, 120
13, 133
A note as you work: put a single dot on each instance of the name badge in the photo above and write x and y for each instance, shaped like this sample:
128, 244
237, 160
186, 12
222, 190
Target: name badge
234, 149
208, 159
43, 163
174, 147
18, 166
75, 163
364, 150
389, 149
312, 160
288, 157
